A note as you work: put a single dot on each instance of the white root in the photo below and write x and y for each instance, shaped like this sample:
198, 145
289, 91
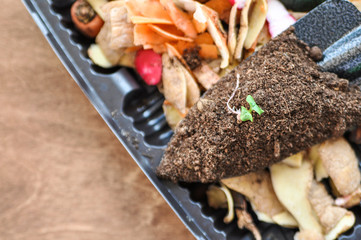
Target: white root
233, 110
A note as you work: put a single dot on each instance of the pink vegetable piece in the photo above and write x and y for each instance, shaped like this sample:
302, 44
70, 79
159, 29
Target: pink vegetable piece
149, 66
240, 3
278, 18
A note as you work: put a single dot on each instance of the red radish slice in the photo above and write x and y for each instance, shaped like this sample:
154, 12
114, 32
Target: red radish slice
240, 3
278, 18
149, 66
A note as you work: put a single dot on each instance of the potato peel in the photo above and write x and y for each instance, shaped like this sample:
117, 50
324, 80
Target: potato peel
232, 35
174, 83
291, 186
98, 57
172, 115
230, 214
322, 203
340, 162
215, 28
256, 22
257, 187
243, 30
205, 75
342, 226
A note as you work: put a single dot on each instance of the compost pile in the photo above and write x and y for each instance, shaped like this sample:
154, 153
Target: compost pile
302, 107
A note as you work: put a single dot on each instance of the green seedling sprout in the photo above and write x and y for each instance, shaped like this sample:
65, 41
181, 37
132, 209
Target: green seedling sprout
244, 114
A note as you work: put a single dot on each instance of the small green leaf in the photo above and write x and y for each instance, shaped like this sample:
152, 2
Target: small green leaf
254, 106
245, 115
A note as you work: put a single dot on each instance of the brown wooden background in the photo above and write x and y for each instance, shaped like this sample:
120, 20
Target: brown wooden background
63, 174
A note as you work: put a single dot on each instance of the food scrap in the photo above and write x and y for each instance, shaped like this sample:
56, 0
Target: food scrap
292, 197
149, 66
209, 38
85, 18
186, 48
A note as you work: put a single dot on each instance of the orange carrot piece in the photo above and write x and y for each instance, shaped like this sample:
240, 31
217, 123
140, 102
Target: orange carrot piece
222, 7
219, 5
170, 32
132, 9
180, 18
181, 46
200, 27
143, 35
204, 38
158, 48
208, 51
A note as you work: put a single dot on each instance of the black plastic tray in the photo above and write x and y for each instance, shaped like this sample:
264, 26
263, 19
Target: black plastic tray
134, 114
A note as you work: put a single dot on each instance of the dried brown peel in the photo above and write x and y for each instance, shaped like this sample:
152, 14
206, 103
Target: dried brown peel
121, 30
215, 28
232, 31
322, 203
172, 115
230, 214
243, 30
256, 22
216, 197
174, 82
257, 187
173, 52
205, 75
215, 65
245, 221
340, 162
193, 91
292, 186
103, 39
263, 37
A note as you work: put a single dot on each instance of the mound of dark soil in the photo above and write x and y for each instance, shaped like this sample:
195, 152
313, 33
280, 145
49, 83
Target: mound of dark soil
303, 106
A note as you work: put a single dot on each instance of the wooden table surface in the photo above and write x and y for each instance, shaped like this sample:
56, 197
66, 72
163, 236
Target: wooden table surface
63, 174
